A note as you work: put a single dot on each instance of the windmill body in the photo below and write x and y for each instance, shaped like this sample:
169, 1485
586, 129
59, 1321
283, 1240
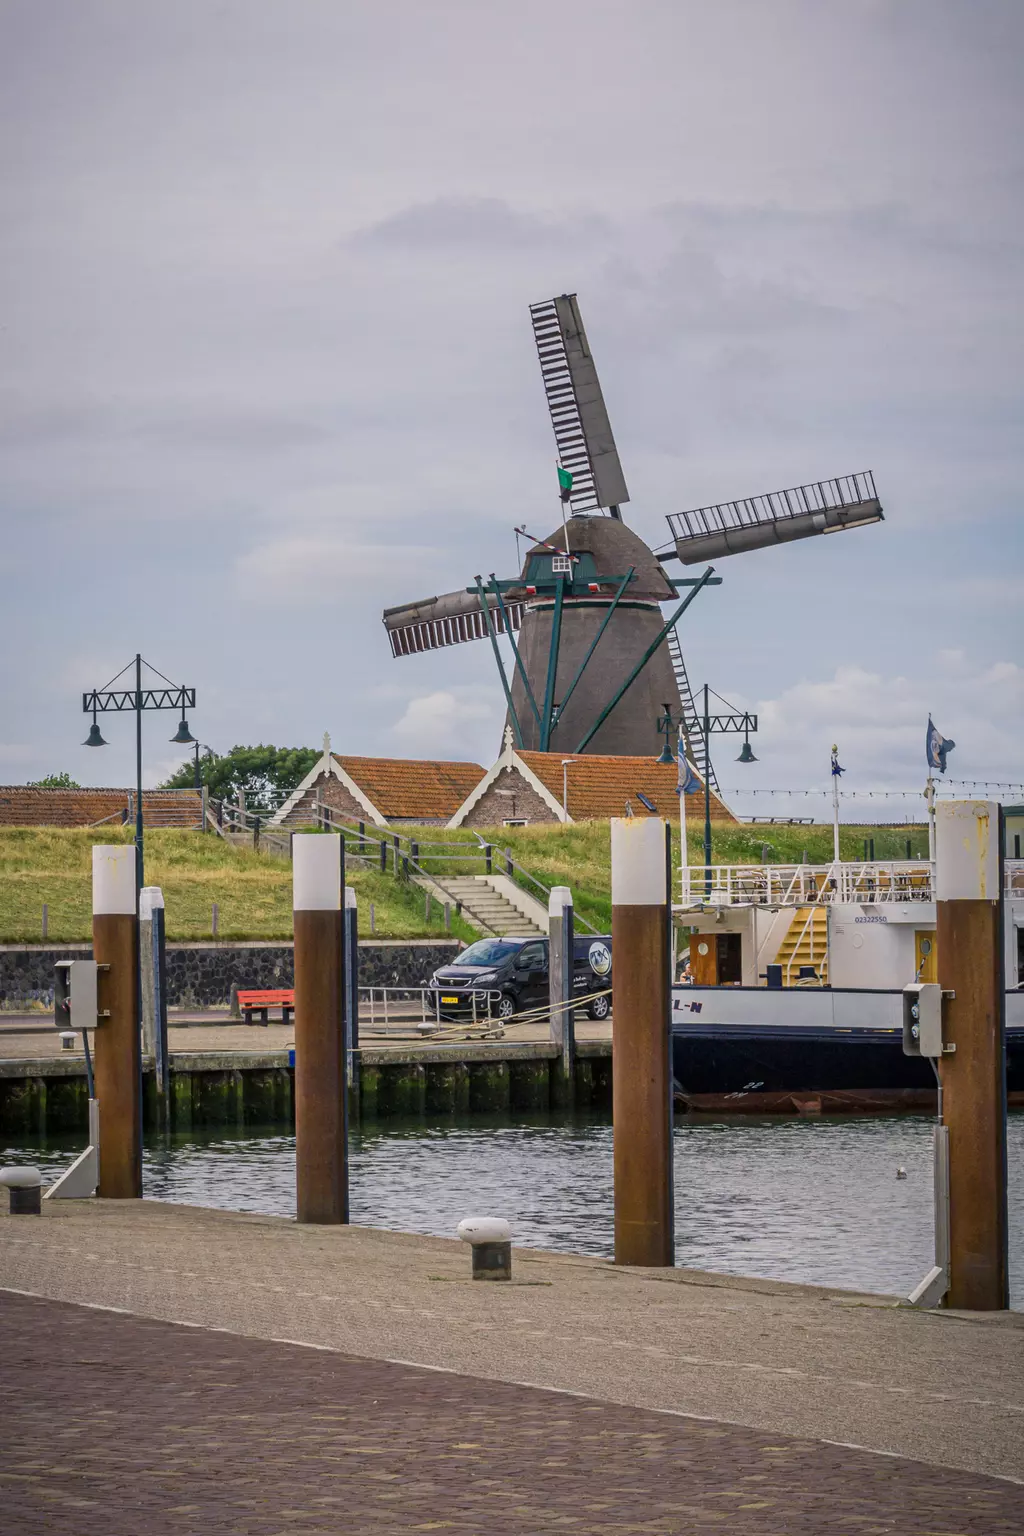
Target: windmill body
604, 547
595, 661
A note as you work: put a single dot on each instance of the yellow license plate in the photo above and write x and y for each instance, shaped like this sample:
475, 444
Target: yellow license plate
449, 999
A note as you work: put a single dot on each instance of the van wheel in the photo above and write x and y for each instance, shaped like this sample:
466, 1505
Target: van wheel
600, 1008
505, 1007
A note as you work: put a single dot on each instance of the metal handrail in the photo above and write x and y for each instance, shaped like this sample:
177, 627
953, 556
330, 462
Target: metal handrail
781, 885
511, 863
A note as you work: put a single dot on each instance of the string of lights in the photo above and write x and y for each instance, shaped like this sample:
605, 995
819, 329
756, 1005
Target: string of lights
880, 794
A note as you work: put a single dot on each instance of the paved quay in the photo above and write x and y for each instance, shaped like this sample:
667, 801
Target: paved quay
33, 1036
117, 1425
772, 1370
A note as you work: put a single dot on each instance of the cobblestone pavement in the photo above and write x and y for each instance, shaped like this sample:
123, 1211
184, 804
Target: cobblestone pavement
785, 1359
119, 1425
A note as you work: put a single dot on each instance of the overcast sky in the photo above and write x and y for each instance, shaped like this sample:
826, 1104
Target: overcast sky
266, 363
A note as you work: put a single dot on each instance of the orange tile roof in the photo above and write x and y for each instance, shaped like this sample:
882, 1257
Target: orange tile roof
22, 805
600, 786
410, 787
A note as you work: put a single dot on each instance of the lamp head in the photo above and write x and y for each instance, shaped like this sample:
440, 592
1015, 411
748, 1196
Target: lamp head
746, 754
666, 754
183, 736
94, 739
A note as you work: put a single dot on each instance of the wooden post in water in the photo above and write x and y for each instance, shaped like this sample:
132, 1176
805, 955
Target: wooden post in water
969, 944
641, 1061
115, 944
321, 1110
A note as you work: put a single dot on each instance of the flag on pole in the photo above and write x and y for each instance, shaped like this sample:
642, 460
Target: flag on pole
936, 747
687, 782
836, 770
564, 483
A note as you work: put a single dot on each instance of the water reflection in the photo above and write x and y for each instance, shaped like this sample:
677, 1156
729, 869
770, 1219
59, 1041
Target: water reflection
808, 1200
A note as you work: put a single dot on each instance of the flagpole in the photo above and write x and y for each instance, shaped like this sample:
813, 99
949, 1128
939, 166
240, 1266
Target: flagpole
683, 775
564, 500
929, 795
835, 806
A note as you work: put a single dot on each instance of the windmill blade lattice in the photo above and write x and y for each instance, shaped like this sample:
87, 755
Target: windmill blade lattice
583, 434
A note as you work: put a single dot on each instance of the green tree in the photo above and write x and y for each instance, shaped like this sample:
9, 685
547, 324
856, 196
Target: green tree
265, 773
54, 781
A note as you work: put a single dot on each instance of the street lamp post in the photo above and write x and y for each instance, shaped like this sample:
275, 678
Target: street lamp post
200, 746
102, 700
565, 783
731, 721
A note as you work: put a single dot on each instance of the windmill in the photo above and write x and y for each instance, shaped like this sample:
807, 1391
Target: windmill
594, 659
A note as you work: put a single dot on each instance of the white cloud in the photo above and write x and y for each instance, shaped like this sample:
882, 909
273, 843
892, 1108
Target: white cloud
461, 724
879, 723
318, 568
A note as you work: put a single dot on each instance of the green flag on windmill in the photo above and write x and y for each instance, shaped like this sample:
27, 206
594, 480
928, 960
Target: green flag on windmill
564, 483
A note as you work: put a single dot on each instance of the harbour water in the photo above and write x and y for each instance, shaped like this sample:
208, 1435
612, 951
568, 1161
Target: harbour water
811, 1200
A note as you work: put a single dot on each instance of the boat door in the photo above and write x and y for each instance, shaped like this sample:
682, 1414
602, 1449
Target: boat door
716, 959
925, 959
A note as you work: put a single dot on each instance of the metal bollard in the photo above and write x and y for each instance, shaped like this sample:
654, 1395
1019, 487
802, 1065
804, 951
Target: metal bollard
26, 1190
492, 1246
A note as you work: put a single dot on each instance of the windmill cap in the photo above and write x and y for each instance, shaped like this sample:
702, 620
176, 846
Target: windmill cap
615, 548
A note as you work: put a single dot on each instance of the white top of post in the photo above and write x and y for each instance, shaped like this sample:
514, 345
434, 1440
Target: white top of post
316, 872
113, 880
639, 875
967, 850
559, 898
150, 897
350, 899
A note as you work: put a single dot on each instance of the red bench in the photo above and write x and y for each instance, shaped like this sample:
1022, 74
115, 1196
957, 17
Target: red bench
261, 1002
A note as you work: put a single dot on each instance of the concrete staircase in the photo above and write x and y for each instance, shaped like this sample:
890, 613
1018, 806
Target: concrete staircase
806, 943
483, 906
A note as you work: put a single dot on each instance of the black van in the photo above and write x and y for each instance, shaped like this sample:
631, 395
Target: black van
510, 976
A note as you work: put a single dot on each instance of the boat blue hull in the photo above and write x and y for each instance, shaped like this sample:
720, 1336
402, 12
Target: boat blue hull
724, 1065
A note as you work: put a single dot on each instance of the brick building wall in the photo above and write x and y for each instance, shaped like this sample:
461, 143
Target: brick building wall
334, 794
492, 809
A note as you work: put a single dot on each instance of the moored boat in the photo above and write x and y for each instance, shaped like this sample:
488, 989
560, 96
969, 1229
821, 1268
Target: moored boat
795, 1002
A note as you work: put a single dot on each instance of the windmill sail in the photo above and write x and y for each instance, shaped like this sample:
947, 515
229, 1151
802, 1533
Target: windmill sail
731, 527
452, 619
583, 434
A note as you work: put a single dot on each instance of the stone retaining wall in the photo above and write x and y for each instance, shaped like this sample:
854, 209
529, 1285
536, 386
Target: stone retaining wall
202, 975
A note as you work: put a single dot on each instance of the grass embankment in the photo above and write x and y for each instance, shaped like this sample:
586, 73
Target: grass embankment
253, 891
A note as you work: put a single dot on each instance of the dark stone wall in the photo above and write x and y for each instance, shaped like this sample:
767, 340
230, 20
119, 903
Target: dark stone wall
202, 975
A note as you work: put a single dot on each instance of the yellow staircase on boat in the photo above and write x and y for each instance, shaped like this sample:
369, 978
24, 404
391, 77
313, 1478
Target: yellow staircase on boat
806, 943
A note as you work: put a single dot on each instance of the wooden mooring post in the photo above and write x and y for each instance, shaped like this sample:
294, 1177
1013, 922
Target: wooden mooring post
641, 1060
321, 1100
969, 943
115, 943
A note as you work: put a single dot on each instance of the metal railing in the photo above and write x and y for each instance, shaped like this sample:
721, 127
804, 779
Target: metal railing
512, 867
799, 885
387, 1010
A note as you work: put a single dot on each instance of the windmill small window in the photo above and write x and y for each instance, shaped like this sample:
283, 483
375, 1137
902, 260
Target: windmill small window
561, 565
